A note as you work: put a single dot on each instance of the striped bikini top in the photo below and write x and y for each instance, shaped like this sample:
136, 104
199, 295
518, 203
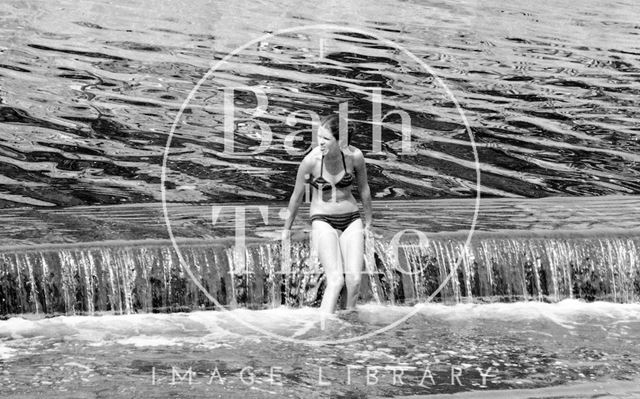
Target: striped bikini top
322, 184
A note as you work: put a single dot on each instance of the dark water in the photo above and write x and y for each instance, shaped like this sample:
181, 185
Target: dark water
89, 91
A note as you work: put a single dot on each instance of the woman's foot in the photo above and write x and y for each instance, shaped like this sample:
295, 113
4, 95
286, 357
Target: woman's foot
348, 315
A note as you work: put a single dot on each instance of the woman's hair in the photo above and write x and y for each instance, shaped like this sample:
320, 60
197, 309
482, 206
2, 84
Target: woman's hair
332, 123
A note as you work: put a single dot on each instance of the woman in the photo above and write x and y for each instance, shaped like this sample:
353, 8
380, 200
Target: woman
337, 230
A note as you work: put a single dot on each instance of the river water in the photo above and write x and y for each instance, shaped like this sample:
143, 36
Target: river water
93, 93
90, 91
520, 345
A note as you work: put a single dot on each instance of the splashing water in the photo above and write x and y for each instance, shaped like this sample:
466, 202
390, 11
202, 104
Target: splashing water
519, 345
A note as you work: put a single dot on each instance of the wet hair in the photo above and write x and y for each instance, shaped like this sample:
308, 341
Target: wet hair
332, 122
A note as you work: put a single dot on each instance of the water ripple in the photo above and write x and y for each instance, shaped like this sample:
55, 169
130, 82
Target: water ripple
90, 92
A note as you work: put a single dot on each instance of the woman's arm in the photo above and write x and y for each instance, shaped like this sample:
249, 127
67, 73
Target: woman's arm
298, 192
363, 186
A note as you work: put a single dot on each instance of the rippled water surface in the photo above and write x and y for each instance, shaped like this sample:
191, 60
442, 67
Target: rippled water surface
89, 91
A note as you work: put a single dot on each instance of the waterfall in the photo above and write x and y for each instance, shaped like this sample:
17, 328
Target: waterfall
143, 276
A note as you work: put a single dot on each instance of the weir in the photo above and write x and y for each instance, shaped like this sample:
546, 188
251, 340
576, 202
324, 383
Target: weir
146, 275
85, 260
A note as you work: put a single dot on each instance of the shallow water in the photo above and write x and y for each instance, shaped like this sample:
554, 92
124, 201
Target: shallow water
572, 216
527, 345
90, 90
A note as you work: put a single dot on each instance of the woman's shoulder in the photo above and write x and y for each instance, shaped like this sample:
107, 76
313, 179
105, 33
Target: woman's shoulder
355, 153
313, 156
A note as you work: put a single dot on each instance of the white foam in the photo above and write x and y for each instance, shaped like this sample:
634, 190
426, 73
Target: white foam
161, 329
6, 352
216, 327
564, 313
150, 341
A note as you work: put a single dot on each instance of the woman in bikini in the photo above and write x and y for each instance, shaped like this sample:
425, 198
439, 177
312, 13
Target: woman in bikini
337, 230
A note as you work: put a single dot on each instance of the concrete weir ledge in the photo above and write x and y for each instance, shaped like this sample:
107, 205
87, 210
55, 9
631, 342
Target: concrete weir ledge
145, 224
118, 258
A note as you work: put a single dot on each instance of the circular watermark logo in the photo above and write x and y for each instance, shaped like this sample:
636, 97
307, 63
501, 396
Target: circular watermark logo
266, 139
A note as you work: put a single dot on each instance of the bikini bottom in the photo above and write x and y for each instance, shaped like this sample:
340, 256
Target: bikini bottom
338, 222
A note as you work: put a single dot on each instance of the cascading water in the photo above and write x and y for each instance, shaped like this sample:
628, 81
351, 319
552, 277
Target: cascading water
147, 276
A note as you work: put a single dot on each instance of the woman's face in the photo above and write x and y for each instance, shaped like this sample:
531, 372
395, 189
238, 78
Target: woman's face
326, 141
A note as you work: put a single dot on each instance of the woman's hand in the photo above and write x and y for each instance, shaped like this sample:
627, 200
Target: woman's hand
369, 233
297, 235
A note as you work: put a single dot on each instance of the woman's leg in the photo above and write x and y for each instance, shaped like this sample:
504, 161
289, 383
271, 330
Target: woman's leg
352, 245
325, 240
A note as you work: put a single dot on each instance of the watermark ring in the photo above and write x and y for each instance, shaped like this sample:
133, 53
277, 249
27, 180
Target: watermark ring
217, 65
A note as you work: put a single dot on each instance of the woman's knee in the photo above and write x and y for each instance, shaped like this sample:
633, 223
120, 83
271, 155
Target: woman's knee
335, 280
353, 280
